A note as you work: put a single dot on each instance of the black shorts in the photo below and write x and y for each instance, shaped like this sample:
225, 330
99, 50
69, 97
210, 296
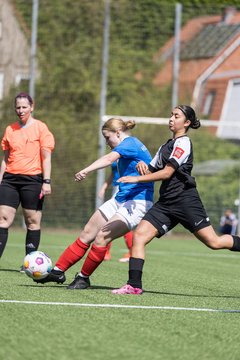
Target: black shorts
24, 189
187, 209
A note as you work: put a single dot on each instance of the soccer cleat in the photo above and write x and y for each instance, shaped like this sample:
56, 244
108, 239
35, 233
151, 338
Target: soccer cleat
125, 258
79, 283
54, 276
22, 271
127, 289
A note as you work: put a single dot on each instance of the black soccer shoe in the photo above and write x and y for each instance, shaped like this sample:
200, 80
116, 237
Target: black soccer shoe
54, 276
79, 283
22, 271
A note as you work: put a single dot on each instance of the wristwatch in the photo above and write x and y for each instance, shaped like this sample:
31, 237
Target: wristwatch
47, 181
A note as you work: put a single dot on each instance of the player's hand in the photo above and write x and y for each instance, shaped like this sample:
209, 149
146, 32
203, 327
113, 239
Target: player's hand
129, 179
46, 190
142, 168
81, 175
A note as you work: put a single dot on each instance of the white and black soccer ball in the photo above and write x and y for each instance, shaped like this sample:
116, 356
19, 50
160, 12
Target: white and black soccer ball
37, 265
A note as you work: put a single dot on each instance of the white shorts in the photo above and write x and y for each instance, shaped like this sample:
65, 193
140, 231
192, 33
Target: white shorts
131, 211
115, 190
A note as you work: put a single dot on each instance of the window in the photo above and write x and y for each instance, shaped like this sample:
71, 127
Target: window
207, 108
229, 126
19, 78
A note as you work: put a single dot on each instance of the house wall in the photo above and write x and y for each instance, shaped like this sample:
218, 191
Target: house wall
14, 48
219, 87
218, 81
189, 71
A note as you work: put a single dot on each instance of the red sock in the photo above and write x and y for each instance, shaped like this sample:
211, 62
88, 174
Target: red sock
109, 247
129, 239
94, 259
72, 254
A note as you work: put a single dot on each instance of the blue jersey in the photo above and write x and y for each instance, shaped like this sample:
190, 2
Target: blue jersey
132, 151
115, 174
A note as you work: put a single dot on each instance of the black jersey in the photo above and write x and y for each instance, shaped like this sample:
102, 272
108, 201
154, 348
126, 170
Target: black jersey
177, 152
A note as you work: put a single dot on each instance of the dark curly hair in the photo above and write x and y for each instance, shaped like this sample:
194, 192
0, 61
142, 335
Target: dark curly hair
190, 115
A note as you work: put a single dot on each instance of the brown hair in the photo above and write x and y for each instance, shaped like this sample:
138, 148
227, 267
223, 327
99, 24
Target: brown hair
115, 124
24, 95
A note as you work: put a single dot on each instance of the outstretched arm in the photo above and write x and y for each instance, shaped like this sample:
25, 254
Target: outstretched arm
163, 174
101, 163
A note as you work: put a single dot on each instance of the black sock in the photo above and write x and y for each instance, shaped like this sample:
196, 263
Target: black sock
135, 272
236, 243
3, 239
32, 240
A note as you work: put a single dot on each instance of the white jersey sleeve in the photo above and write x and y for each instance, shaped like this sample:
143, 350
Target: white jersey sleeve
157, 160
181, 150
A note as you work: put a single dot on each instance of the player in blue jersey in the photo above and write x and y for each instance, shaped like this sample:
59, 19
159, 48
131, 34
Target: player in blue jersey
112, 180
116, 216
179, 201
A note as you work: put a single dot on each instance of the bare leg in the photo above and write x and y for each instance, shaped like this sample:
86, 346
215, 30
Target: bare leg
7, 215
209, 237
143, 234
113, 229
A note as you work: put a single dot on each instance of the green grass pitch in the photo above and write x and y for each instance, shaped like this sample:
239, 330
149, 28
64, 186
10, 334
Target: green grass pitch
190, 308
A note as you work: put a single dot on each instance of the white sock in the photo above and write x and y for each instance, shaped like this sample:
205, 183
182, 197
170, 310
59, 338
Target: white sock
57, 268
83, 276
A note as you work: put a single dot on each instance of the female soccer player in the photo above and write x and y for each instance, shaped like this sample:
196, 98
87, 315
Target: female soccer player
116, 216
25, 172
179, 200
112, 181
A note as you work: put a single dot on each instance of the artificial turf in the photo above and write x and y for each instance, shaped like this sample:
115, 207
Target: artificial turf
190, 308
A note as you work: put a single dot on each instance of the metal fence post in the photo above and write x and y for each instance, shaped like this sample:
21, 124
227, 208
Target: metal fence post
101, 141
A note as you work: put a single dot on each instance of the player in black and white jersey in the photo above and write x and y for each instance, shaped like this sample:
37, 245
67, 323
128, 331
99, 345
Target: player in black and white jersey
179, 201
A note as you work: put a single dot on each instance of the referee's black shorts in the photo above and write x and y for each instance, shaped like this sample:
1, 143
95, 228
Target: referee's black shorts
24, 189
187, 209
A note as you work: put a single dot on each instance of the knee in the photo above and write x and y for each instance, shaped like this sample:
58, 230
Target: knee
214, 243
139, 232
139, 237
32, 219
5, 221
32, 223
100, 239
87, 230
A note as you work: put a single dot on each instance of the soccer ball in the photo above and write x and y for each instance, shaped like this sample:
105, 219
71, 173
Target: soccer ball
37, 265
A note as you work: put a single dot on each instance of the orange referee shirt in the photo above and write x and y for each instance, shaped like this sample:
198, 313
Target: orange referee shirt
24, 145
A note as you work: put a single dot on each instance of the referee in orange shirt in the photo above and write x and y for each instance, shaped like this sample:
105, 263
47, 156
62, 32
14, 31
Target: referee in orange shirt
25, 173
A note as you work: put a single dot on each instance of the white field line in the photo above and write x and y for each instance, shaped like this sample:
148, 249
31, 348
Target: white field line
116, 306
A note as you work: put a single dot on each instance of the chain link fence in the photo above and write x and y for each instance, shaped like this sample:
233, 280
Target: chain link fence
68, 88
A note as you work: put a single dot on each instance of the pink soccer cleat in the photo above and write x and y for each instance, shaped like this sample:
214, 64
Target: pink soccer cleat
127, 289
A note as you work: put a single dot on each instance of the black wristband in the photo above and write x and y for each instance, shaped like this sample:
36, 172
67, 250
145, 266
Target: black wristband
47, 181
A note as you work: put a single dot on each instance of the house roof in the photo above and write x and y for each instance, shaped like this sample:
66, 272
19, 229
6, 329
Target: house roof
198, 28
209, 41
